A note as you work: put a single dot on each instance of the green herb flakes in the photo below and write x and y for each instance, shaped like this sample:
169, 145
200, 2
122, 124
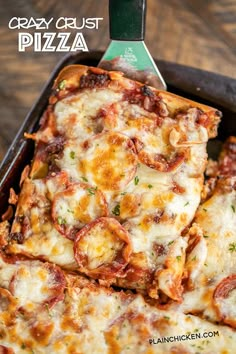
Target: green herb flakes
62, 85
92, 190
232, 247
136, 180
48, 310
72, 155
116, 210
84, 179
61, 221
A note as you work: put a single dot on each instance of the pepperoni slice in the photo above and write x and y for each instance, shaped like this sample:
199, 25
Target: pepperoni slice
154, 149
224, 300
109, 161
38, 284
77, 206
6, 350
102, 248
159, 161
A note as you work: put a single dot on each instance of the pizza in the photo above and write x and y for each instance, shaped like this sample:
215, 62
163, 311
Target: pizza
211, 260
47, 310
108, 246
116, 178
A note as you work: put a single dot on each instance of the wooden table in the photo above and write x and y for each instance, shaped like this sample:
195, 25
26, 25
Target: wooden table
197, 33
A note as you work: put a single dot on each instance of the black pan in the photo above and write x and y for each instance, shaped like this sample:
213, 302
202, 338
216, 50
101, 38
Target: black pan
202, 86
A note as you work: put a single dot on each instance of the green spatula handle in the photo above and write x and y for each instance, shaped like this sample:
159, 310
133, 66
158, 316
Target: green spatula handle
127, 19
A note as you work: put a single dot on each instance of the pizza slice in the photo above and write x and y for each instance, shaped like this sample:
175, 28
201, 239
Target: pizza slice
116, 178
45, 310
211, 260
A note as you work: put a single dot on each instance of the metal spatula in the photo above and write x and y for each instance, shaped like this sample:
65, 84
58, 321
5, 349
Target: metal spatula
127, 51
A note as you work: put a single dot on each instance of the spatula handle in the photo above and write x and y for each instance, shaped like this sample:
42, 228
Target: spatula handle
127, 19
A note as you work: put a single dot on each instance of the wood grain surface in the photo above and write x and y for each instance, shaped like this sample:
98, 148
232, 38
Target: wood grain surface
198, 33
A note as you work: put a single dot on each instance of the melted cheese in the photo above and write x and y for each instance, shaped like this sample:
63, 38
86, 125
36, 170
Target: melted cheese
170, 278
109, 162
76, 116
34, 283
118, 322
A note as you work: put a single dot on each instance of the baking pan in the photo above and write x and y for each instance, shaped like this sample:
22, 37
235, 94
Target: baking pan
202, 86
